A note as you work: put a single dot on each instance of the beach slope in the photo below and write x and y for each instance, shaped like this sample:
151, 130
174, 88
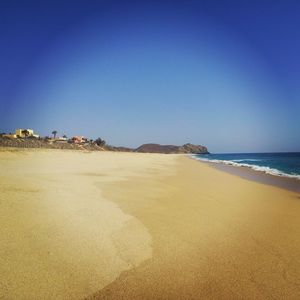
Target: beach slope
142, 226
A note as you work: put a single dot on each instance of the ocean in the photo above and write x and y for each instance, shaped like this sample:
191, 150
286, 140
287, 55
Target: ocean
279, 164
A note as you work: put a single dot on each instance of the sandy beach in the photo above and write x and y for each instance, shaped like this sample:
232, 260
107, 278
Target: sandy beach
106, 225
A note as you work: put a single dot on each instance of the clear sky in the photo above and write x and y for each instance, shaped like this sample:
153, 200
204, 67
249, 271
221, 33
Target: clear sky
225, 74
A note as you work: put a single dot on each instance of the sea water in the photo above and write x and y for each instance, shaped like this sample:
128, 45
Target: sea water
279, 164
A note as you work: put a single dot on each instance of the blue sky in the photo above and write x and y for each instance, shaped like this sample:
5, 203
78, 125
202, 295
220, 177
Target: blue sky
224, 74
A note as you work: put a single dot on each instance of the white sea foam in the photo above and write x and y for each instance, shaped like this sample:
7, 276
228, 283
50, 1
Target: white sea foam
267, 170
246, 159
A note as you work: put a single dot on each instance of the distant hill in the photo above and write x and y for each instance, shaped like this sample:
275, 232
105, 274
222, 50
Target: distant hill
168, 149
146, 148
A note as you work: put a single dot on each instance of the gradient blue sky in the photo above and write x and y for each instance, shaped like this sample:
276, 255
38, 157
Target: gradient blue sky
225, 74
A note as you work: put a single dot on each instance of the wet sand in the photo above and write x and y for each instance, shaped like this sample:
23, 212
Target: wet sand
291, 184
142, 226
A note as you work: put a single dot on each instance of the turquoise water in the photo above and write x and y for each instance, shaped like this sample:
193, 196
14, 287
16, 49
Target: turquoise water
279, 164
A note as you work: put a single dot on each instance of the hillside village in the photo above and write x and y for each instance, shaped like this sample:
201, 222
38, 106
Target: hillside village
28, 138
29, 133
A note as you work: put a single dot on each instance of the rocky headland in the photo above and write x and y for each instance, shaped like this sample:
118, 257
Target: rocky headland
171, 149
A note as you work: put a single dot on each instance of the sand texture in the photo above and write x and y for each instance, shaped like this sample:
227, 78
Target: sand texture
60, 238
77, 225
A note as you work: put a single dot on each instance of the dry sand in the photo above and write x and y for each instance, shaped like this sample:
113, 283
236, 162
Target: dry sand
142, 226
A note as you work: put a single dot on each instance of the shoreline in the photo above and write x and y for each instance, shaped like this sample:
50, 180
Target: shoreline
290, 184
215, 236
113, 225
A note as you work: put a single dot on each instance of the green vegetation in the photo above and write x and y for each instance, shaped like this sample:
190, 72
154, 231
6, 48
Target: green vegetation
100, 142
54, 132
25, 132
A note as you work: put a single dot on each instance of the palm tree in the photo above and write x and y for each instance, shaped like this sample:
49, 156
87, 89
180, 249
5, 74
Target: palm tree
54, 132
25, 132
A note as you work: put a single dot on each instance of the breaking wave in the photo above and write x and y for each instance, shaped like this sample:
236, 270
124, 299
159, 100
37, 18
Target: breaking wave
237, 163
